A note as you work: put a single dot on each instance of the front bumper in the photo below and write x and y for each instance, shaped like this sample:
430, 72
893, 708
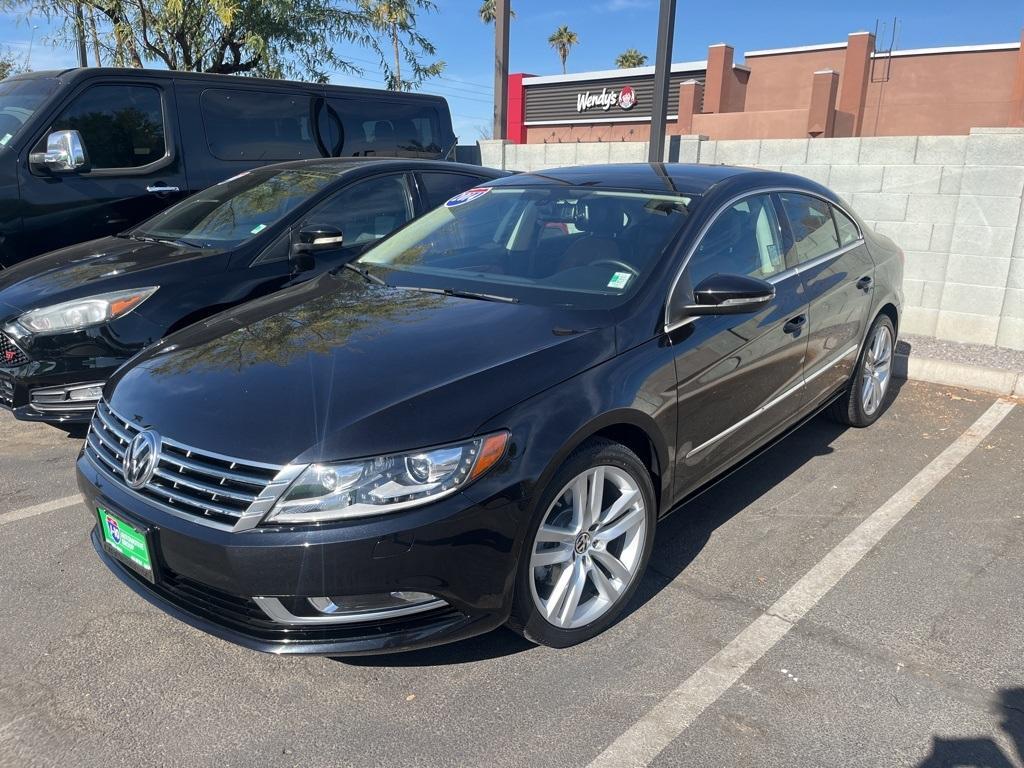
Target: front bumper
454, 549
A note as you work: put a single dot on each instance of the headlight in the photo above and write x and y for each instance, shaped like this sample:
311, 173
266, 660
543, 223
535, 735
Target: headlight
81, 313
386, 483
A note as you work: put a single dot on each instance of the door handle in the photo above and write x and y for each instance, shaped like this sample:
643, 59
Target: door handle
864, 283
160, 189
795, 325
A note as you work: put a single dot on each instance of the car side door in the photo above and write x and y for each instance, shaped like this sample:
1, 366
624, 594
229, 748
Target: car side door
837, 272
134, 168
738, 374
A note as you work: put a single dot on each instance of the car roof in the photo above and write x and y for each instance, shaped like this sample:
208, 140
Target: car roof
344, 165
672, 178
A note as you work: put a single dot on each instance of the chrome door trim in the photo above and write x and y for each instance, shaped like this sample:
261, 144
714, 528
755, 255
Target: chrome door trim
773, 402
668, 327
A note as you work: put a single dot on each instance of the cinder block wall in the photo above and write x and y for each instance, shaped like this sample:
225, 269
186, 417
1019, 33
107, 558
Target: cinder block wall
953, 203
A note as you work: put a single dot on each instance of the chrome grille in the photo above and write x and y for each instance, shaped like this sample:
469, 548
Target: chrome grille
10, 355
203, 486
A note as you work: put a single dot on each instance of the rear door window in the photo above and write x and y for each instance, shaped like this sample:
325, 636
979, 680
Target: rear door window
814, 232
384, 127
122, 126
439, 188
848, 230
246, 125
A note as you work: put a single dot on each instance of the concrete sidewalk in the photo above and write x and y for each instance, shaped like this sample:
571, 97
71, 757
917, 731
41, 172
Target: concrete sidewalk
971, 366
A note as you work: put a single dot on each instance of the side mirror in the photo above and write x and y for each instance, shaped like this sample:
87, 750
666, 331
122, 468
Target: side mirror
730, 295
311, 239
65, 153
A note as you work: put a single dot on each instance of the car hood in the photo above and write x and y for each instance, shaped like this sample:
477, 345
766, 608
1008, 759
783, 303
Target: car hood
337, 369
87, 269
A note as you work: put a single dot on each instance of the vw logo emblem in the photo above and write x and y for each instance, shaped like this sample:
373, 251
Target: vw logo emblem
141, 457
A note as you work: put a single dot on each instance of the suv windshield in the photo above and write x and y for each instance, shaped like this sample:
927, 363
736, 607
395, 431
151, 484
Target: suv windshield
19, 99
239, 209
543, 245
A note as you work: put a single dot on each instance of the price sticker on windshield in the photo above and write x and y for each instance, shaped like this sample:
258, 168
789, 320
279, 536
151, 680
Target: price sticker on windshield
467, 197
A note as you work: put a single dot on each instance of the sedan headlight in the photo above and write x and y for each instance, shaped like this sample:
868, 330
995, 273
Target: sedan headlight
82, 313
385, 484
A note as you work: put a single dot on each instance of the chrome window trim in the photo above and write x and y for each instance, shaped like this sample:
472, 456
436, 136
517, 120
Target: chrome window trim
773, 402
795, 270
276, 611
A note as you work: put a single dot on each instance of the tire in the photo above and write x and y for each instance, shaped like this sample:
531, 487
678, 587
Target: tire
600, 564
860, 405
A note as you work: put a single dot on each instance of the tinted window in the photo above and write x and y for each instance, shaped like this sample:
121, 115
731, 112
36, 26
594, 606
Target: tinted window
122, 126
18, 100
243, 125
814, 234
848, 231
381, 127
367, 210
744, 240
438, 188
236, 210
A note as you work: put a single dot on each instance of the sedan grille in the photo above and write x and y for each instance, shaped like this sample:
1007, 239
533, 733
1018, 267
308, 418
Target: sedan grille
206, 487
6, 392
10, 355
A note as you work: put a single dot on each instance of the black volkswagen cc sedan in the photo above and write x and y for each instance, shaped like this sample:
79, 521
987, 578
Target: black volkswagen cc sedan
482, 421
68, 319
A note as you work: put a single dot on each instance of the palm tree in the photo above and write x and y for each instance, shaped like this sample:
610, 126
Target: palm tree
630, 58
396, 20
562, 41
488, 12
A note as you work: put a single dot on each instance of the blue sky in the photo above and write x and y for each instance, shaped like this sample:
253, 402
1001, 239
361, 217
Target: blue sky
607, 27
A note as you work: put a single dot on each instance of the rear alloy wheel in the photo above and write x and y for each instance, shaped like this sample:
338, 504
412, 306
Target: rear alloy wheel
588, 548
862, 404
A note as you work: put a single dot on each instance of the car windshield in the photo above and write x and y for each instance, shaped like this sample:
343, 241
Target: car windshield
567, 246
234, 211
19, 99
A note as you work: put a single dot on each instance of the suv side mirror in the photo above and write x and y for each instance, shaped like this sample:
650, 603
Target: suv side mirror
730, 295
65, 153
309, 241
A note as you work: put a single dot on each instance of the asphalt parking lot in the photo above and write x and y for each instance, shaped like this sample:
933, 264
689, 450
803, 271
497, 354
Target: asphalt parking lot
913, 653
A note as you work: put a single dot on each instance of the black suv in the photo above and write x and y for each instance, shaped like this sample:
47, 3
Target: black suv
69, 318
86, 153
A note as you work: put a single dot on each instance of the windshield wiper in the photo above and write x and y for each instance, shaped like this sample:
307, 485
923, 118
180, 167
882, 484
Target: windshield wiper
463, 294
363, 273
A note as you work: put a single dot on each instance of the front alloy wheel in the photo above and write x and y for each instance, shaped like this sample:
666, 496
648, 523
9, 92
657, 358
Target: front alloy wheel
589, 547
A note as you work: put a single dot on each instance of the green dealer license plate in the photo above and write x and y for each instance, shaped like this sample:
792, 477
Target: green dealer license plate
126, 543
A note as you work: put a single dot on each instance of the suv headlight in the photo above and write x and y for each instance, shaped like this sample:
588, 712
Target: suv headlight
385, 484
81, 313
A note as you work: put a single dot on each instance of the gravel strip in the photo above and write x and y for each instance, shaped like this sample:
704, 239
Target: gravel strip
969, 354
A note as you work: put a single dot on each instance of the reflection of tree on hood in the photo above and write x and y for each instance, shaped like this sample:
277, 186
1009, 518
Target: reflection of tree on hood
316, 326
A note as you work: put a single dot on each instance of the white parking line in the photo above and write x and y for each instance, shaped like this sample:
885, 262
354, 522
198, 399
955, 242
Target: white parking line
645, 740
39, 509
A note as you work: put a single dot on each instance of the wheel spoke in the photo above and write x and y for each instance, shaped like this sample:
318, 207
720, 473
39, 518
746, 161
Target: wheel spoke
552, 556
624, 524
558, 593
575, 590
579, 504
548, 533
595, 497
626, 498
605, 587
613, 565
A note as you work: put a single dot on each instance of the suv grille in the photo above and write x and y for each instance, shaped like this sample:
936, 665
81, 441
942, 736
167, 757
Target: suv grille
10, 355
206, 487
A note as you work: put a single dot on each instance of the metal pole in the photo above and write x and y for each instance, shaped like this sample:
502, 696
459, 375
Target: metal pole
662, 71
83, 60
501, 24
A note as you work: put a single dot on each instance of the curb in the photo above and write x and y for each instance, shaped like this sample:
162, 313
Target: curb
949, 373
